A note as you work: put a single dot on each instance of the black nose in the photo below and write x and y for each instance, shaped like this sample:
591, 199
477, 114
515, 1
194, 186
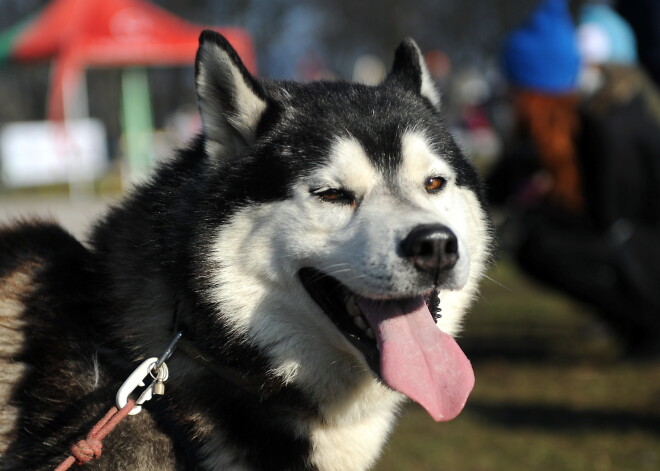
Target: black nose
432, 248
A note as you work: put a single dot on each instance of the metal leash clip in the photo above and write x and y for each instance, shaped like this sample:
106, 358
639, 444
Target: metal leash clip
154, 367
136, 380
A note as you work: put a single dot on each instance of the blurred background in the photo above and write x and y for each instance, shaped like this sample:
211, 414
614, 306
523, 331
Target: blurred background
554, 101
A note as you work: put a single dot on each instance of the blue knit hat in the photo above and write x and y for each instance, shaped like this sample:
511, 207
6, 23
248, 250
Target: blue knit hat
605, 37
542, 54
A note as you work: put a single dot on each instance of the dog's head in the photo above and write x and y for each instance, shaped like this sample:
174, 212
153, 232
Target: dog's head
350, 231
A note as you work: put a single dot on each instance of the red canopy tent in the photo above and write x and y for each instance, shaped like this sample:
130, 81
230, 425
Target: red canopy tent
81, 33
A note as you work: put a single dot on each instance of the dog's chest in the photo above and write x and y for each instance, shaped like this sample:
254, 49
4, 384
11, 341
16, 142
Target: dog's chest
354, 446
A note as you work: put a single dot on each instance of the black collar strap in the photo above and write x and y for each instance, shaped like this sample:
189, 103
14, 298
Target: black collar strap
262, 386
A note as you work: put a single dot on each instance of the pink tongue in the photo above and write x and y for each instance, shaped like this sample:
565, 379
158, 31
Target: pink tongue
418, 359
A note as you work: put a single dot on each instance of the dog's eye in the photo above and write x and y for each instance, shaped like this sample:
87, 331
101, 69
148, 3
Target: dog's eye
434, 184
335, 195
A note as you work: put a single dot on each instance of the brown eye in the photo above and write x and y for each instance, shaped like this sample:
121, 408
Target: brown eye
336, 195
434, 184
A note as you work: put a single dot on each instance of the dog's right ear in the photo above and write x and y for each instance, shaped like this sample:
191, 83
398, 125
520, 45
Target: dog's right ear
230, 100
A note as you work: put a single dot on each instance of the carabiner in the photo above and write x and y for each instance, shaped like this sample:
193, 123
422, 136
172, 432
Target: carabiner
135, 380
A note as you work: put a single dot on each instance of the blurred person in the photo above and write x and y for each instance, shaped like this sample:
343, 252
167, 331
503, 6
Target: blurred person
620, 115
619, 151
610, 258
541, 62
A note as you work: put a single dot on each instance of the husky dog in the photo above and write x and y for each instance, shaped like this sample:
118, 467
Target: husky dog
316, 245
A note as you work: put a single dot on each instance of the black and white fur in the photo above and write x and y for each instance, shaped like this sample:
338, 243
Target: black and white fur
285, 176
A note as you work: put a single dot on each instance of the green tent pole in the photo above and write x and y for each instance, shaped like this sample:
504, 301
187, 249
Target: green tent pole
137, 124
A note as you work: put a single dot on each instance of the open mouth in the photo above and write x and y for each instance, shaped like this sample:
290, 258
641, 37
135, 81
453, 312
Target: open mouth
342, 307
401, 343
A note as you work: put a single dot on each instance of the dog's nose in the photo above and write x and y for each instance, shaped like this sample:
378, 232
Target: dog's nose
432, 248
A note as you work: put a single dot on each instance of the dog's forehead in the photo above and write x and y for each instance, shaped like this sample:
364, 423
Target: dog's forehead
354, 166
348, 134
377, 116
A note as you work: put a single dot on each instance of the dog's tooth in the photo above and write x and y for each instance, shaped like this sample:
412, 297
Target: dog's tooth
370, 333
360, 322
352, 307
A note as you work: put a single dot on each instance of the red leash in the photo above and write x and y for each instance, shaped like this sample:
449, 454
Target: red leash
91, 447
86, 450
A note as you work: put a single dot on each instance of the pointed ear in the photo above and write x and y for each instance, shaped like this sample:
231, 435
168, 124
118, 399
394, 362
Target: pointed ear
230, 100
409, 71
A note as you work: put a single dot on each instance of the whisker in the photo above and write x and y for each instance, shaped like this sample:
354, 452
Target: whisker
326, 272
334, 265
498, 283
333, 274
357, 276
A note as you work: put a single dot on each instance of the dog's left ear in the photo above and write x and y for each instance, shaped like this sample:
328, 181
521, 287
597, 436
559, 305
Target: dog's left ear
409, 70
230, 100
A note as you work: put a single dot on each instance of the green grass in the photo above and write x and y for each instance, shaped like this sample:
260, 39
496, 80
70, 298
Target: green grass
552, 393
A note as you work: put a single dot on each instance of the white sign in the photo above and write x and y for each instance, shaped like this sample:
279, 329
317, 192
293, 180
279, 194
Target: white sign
46, 152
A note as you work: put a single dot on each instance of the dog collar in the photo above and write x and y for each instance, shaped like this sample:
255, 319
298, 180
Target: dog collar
262, 386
